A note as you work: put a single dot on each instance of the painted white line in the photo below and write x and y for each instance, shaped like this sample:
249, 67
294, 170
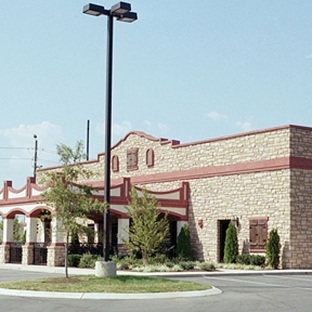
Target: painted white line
236, 280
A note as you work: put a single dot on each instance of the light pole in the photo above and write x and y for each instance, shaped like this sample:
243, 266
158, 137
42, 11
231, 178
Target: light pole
122, 12
35, 156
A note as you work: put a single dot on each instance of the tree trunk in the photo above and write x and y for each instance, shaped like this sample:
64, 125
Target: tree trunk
66, 254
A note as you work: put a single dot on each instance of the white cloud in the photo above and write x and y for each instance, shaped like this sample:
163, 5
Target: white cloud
162, 127
245, 125
147, 123
22, 136
215, 115
118, 130
18, 149
309, 56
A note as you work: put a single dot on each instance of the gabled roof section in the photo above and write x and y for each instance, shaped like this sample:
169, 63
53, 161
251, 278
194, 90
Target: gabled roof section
148, 137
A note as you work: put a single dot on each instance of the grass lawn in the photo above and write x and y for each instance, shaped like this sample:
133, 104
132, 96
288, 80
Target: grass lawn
118, 284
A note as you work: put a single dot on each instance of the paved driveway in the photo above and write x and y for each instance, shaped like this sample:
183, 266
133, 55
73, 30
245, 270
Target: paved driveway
240, 293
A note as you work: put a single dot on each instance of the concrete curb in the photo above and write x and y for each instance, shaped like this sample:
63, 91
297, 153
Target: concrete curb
111, 296
115, 296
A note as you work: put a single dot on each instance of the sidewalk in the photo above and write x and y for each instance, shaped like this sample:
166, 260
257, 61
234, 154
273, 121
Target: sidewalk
78, 271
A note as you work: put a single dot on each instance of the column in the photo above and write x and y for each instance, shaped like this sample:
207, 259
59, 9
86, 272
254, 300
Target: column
123, 226
31, 238
56, 251
7, 239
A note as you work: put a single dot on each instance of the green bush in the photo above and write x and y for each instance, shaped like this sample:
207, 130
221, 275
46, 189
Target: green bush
231, 244
122, 265
273, 249
158, 259
204, 266
184, 247
88, 261
257, 260
187, 265
73, 260
243, 259
170, 264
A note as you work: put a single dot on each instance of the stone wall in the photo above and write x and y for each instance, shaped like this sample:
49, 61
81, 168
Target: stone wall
56, 256
300, 243
170, 156
283, 195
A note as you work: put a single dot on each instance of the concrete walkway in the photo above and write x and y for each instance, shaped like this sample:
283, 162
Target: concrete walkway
115, 296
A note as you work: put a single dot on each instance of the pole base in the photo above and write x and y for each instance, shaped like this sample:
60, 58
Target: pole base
104, 268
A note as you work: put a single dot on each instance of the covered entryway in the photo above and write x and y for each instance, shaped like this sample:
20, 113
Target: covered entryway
222, 225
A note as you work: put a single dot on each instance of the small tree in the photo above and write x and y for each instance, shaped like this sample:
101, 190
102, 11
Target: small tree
149, 230
70, 200
184, 247
273, 249
18, 228
231, 244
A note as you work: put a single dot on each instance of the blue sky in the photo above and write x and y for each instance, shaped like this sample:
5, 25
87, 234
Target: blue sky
186, 70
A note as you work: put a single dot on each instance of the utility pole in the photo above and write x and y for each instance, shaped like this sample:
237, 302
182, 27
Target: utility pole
35, 156
88, 139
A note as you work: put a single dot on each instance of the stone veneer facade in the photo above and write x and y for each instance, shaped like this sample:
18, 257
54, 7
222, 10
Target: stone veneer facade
262, 174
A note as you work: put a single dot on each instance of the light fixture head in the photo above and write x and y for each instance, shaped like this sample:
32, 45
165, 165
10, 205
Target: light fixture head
120, 8
93, 9
128, 17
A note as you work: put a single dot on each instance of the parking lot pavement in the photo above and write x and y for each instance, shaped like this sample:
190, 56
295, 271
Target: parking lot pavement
241, 291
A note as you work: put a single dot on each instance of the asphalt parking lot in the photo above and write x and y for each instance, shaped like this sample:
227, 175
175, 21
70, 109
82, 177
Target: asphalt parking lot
264, 292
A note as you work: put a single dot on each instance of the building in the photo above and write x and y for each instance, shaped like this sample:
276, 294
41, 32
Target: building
260, 180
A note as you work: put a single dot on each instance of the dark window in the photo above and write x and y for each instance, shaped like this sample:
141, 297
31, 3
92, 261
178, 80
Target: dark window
150, 157
258, 234
132, 159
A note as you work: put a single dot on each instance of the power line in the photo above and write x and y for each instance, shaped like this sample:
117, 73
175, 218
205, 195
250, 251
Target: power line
15, 158
21, 148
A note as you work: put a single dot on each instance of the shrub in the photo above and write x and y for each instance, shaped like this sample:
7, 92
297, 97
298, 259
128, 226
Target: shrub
184, 248
231, 244
73, 260
187, 265
250, 260
243, 259
158, 259
204, 266
122, 265
170, 264
257, 260
88, 261
273, 249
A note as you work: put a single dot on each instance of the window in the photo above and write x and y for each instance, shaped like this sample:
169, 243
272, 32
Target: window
150, 157
258, 233
115, 163
132, 159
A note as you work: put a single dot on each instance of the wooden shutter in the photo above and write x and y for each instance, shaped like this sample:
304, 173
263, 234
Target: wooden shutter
253, 233
258, 233
132, 158
262, 230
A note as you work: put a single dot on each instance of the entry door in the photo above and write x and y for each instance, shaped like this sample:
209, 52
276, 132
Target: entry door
223, 225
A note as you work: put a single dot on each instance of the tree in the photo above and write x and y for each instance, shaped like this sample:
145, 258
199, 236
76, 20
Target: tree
149, 230
273, 249
231, 244
184, 247
18, 230
70, 200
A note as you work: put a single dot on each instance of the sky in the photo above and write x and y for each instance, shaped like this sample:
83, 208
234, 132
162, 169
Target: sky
187, 70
